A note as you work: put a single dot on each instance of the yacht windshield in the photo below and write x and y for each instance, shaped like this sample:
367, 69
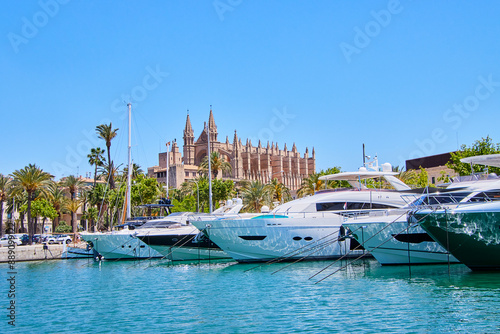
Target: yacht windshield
339, 206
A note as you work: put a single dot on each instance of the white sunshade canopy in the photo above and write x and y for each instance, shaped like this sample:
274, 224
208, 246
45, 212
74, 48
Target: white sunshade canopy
487, 160
355, 176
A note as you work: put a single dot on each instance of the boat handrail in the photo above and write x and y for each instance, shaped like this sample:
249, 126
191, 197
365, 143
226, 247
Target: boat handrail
428, 201
309, 214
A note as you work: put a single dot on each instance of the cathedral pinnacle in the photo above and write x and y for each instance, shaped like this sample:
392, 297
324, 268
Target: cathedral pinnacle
188, 130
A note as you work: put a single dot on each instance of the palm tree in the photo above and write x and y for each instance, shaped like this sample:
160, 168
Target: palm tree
4, 192
136, 171
73, 185
96, 159
99, 197
16, 201
254, 196
310, 185
278, 191
85, 199
113, 175
91, 214
107, 133
72, 206
30, 179
58, 200
217, 163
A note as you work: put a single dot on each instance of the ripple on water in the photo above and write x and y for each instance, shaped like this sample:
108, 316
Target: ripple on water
151, 296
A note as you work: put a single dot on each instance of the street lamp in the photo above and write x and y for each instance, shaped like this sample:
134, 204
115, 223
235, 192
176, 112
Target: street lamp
197, 196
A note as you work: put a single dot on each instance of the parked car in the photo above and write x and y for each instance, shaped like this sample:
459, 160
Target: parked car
61, 239
4, 241
51, 239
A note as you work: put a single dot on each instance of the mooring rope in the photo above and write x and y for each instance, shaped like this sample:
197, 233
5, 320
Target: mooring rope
359, 257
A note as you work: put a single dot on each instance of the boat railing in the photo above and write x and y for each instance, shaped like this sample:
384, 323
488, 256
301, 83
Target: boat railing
288, 214
431, 200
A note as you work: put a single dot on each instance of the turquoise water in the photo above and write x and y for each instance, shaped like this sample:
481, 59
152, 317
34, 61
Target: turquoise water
79, 296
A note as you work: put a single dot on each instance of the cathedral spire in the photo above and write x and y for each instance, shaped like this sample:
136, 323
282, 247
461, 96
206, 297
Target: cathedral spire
188, 129
211, 122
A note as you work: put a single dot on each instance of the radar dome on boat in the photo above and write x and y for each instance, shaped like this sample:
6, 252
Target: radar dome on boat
229, 202
264, 209
238, 201
387, 167
362, 169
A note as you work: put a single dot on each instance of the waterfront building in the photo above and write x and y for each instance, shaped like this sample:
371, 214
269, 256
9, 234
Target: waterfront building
435, 165
248, 162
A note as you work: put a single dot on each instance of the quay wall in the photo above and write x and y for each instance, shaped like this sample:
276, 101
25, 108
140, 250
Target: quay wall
32, 253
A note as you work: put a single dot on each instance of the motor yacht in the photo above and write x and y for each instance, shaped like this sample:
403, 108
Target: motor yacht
392, 238
470, 230
185, 242
307, 228
173, 235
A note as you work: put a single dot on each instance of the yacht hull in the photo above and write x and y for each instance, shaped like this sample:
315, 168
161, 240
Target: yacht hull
119, 246
184, 244
287, 239
470, 233
392, 241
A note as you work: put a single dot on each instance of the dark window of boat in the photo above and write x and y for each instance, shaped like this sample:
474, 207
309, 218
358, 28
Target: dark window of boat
308, 238
297, 238
413, 238
485, 196
253, 237
449, 198
339, 206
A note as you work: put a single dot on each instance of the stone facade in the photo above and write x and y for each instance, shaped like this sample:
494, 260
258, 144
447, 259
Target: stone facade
248, 162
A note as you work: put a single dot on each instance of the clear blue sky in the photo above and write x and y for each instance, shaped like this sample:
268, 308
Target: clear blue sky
407, 78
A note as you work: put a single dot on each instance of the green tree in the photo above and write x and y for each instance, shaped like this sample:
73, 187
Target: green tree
479, 147
277, 191
96, 159
188, 204
415, 179
99, 197
58, 200
73, 185
217, 164
136, 171
44, 209
310, 185
4, 196
72, 207
144, 190
63, 227
107, 133
91, 215
30, 179
255, 196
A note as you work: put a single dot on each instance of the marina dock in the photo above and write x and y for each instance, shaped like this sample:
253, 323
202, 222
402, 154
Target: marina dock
34, 252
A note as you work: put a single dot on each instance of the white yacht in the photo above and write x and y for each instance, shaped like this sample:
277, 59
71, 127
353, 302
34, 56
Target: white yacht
308, 228
171, 237
392, 238
185, 242
469, 229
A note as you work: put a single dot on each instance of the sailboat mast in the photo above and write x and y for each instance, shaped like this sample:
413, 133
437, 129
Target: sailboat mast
209, 167
129, 169
168, 166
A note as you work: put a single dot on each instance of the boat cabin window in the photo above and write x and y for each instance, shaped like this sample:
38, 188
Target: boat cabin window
485, 196
436, 199
340, 206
